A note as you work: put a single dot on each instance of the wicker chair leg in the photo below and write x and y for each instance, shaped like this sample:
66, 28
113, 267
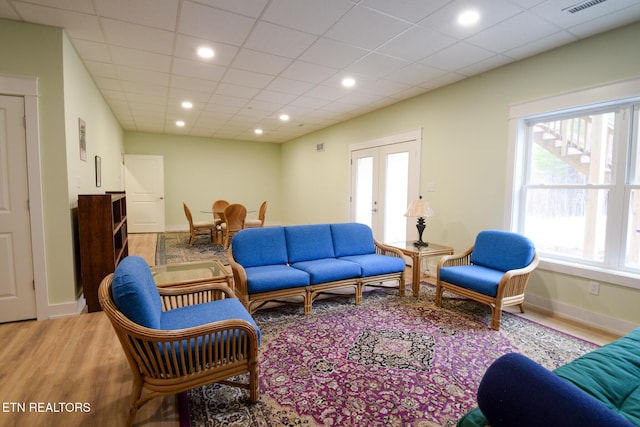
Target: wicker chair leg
438, 295
254, 383
136, 393
496, 316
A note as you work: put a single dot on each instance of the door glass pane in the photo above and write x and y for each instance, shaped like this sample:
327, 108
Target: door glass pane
396, 195
364, 190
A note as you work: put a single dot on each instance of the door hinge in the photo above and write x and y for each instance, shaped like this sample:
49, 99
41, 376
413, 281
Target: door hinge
33, 282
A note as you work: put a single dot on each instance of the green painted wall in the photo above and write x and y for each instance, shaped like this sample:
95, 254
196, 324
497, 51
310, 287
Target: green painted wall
464, 154
66, 92
199, 171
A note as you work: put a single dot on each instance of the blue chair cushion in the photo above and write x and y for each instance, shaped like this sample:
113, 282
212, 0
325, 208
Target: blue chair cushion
516, 391
308, 242
328, 269
475, 277
135, 294
259, 246
352, 239
502, 250
375, 264
274, 277
202, 314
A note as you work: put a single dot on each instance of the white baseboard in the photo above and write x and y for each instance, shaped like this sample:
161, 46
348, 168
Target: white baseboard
580, 315
67, 309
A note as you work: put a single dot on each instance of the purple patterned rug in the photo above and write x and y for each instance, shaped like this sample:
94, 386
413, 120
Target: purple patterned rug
391, 361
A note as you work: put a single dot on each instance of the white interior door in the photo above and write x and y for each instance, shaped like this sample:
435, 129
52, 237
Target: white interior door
384, 179
17, 291
144, 185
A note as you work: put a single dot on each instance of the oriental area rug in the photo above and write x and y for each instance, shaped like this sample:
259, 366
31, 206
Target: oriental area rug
391, 361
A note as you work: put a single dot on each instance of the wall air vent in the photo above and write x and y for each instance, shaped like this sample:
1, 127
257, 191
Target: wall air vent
579, 7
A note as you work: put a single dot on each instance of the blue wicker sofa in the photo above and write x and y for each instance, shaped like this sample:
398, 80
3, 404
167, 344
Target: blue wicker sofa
600, 388
295, 264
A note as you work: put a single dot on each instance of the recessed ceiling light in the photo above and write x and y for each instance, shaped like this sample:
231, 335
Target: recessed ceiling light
468, 17
205, 52
258, 131
180, 123
187, 105
284, 117
348, 82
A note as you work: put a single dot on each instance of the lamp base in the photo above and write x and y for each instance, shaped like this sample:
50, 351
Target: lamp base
420, 226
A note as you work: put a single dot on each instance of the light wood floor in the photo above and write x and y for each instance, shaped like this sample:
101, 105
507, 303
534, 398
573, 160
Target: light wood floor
79, 360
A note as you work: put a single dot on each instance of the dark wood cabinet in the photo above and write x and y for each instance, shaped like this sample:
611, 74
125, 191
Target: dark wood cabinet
102, 224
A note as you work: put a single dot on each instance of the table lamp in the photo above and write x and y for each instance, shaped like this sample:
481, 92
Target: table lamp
420, 209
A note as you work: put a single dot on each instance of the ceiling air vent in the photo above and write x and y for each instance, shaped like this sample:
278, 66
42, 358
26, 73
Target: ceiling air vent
579, 7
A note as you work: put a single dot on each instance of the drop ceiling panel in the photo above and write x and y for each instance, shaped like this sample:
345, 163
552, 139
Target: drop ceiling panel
291, 55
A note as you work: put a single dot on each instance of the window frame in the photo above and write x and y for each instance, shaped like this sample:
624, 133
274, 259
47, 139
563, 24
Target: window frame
627, 91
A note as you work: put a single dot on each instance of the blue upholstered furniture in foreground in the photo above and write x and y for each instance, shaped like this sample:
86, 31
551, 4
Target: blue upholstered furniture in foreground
601, 388
178, 338
494, 271
303, 261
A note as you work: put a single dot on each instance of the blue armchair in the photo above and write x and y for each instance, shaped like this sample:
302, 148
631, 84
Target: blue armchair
178, 338
494, 271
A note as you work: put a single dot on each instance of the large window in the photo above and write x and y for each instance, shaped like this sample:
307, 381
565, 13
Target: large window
576, 188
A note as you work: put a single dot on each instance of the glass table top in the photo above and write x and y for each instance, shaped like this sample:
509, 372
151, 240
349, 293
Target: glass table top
190, 272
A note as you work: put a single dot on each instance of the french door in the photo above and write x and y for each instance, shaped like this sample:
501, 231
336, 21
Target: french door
385, 177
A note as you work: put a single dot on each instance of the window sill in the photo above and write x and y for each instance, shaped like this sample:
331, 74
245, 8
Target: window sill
615, 277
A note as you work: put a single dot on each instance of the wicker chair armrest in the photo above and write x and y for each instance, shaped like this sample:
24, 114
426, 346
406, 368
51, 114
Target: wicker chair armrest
383, 249
463, 258
515, 281
164, 354
184, 295
239, 277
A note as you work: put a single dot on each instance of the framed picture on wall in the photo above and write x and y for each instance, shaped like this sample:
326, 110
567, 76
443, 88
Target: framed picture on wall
98, 171
82, 127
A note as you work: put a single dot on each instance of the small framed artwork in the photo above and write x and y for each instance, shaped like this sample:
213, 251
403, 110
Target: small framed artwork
82, 127
98, 171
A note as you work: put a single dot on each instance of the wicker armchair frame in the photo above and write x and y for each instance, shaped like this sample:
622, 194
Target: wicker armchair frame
510, 292
171, 361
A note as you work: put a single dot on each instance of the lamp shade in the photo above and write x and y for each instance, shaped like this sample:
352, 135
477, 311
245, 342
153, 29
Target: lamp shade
419, 208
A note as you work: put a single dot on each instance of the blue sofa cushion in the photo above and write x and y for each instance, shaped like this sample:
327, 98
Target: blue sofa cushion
475, 277
308, 242
259, 246
135, 293
328, 269
274, 277
352, 239
502, 250
209, 312
375, 264
516, 391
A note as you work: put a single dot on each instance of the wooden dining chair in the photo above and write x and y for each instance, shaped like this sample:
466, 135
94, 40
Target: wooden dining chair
217, 208
255, 223
233, 219
195, 227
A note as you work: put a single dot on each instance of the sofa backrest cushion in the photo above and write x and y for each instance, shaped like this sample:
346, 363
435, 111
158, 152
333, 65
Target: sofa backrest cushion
352, 238
255, 247
308, 242
135, 293
502, 250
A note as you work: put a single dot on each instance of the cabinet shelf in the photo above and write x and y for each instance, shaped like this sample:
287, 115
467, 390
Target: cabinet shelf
102, 229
